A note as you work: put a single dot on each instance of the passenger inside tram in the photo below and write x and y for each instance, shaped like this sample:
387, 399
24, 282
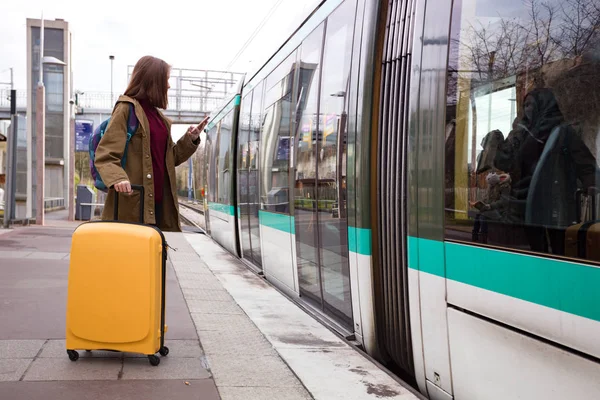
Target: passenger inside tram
547, 162
523, 127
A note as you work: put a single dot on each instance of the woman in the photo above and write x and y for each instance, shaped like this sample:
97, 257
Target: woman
549, 162
151, 154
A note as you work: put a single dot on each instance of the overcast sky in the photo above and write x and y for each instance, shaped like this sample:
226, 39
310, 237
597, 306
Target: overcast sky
201, 34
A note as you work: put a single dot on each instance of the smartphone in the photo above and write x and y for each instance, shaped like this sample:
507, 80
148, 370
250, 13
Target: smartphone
204, 121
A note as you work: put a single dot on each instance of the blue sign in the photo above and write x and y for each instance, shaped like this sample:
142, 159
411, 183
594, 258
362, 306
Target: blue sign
83, 131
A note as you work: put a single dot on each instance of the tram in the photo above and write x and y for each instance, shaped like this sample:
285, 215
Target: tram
420, 176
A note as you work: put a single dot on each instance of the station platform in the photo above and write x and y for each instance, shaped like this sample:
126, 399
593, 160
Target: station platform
231, 334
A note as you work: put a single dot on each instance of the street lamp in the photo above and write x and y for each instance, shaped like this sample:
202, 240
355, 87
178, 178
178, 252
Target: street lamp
112, 59
41, 129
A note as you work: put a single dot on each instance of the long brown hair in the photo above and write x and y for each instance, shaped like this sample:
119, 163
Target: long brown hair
149, 81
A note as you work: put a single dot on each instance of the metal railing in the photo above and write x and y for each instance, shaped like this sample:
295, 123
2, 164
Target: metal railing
196, 91
186, 102
5, 98
53, 203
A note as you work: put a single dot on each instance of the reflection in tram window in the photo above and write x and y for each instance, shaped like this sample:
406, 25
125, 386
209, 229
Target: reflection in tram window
242, 175
253, 181
223, 161
331, 162
276, 133
307, 256
523, 115
211, 151
321, 146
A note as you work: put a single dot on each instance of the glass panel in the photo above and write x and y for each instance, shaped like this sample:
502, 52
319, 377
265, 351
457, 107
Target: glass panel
242, 179
21, 185
522, 125
53, 81
54, 135
211, 149
331, 162
253, 181
223, 165
276, 137
305, 218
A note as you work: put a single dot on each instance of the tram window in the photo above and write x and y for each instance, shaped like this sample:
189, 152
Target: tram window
307, 124
522, 117
223, 162
213, 134
243, 153
275, 142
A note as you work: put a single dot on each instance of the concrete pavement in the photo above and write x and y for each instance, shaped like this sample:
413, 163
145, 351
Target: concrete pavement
33, 362
231, 335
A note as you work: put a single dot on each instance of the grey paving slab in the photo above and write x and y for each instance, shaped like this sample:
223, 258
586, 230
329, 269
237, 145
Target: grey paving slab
12, 369
35, 238
195, 267
214, 307
177, 349
47, 255
33, 296
169, 368
227, 342
206, 295
210, 283
62, 369
58, 349
183, 256
20, 348
256, 370
13, 254
178, 319
194, 276
219, 322
204, 389
247, 393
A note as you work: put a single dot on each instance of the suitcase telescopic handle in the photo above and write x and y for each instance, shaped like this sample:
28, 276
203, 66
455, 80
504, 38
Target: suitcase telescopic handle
139, 188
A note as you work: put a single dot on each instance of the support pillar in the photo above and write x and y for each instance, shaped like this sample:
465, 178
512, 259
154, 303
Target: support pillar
40, 153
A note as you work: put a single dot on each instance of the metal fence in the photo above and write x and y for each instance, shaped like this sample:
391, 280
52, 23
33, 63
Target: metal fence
191, 91
5, 98
186, 102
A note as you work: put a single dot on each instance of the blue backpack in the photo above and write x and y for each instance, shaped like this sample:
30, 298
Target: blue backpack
132, 125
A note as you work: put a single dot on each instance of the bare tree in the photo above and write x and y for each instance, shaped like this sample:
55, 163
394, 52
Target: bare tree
578, 31
550, 31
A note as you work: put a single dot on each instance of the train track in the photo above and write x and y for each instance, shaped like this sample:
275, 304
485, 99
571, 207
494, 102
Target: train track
191, 215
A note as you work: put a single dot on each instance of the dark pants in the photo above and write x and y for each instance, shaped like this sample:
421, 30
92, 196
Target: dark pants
480, 224
539, 237
158, 214
479, 227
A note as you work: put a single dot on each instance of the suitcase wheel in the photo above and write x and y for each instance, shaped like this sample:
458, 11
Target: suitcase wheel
164, 351
73, 355
154, 360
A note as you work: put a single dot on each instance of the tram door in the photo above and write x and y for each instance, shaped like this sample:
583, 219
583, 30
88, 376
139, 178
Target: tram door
320, 182
211, 161
248, 184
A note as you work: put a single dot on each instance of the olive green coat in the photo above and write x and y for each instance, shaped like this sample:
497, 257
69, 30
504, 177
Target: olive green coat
138, 167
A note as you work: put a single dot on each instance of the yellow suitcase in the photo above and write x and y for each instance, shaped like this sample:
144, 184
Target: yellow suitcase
116, 289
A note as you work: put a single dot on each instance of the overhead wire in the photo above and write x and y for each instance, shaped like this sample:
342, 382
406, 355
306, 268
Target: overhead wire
256, 31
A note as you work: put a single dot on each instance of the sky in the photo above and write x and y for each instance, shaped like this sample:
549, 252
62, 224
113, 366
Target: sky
201, 34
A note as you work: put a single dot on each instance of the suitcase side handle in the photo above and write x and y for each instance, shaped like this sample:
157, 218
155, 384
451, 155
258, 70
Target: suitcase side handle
139, 188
